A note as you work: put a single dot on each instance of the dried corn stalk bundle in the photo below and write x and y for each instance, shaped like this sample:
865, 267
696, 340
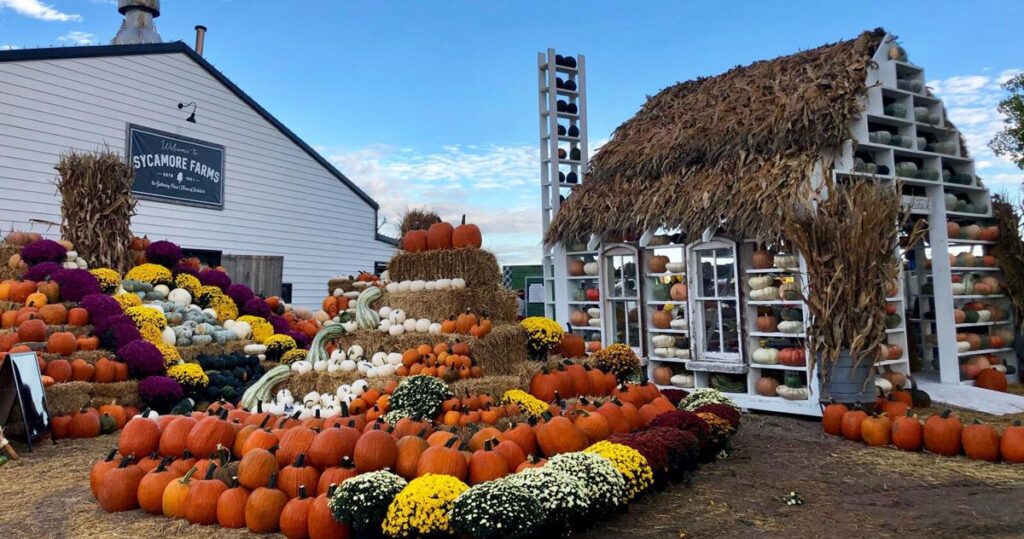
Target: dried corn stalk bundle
729, 152
418, 219
97, 206
1009, 252
848, 234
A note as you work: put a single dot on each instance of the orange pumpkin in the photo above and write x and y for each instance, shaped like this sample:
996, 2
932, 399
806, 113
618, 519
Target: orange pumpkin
36, 299
81, 371
19, 291
466, 235
78, 317
439, 236
63, 343
60, 370
53, 314
32, 331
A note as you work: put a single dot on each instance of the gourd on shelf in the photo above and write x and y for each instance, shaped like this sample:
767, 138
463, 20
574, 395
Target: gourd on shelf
794, 388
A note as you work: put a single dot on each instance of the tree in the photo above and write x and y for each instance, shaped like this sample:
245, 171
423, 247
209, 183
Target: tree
1010, 141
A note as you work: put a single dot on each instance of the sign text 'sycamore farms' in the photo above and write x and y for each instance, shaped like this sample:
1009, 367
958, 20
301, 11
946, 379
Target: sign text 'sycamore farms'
176, 169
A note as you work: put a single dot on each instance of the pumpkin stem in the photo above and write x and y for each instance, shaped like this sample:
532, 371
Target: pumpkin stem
263, 424
451, 441
302, 492
272, 482
126, 461
331, 489
946, 412
300, 460
234, 481
259, 406
346, 462
421, 433
163, 464
111, 455
273, 449
210, 471
188, 475
487, 444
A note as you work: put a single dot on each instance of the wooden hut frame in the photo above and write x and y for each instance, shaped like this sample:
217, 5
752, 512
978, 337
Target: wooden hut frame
717, 161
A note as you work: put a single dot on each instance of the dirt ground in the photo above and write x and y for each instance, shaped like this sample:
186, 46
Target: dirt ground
848, 489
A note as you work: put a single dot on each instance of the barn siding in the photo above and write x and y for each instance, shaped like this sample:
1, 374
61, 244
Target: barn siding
278, 200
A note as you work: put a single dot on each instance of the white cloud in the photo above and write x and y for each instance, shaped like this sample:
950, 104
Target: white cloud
971, 102
75, 37
8, 47
496, 186
38, 10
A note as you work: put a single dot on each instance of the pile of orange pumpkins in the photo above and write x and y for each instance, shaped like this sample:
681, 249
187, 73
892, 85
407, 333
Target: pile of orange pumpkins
569, 379
943, 434
91, 421
274, 473
440, 360
442, 236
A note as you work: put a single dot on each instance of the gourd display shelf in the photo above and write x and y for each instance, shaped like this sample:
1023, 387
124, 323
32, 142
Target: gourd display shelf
777, 367
667, 274
776, 334
974, 269
776, 302
668, 302
988, 351
582, 277
668, 330
771, 270
888, 362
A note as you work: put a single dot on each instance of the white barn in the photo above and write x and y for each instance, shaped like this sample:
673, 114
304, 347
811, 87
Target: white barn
280, 198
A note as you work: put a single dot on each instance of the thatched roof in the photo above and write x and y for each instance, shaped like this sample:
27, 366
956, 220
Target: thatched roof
727, 149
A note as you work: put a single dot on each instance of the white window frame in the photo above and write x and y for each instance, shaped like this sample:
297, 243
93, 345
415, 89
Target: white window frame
608, 284
697, 336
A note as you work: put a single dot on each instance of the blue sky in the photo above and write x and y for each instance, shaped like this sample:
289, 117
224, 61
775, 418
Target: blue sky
434, 103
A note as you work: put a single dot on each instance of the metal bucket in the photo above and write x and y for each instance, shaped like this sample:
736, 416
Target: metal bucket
849, 384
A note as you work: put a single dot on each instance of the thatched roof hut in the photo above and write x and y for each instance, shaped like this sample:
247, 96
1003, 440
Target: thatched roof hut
725, 152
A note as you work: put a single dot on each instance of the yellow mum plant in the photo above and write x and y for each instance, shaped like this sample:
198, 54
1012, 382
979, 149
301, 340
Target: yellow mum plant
170, 353
188, 282
541, 334
150, 273
629, 463
110, 280
127, 300
189, 375
528, 404
262, 329
422, 508
143, 316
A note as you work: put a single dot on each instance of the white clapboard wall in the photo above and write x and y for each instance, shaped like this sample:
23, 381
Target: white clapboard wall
279, 200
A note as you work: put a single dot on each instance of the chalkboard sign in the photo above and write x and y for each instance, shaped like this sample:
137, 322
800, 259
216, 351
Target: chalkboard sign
20, 384
177, 169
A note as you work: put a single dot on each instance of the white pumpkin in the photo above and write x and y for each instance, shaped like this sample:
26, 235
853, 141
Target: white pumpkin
791, 326
760, 281
242, 329
682, 380
430, 286
338, 292
768, 293
384, 325
682, 353
410, 325
353, 294
590, 268
404, 286
337, 355
677, 323
422, 325
372, 372
379, 359
417, 286
344, 390
435, 328
675, 267
663, 352
883, 386
321, 316
350, 327
333, 366
396, 330
765, 356
384, 311
355, 352
363, 367
386, 370
443, 284
327, 400
311, 397
594, 322
392, 287
254, 349
161, 291
320, 365
302, 366
359, 387
168, 337
394, 358
663, 340
458, 283
397, 316
792, 393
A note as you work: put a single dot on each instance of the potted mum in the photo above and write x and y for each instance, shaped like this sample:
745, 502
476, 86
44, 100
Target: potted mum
848, 239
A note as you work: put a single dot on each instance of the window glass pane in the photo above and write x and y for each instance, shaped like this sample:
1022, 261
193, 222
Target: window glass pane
730, 327
706, 261
726, 273
633, 325
712, 337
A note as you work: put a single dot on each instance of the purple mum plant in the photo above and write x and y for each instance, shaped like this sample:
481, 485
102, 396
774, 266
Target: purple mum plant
100, 306
164, 253
75, 284
43, 251
213, 277
143, 358
301, 340
280, 324
160, 393
182, 267
41, 271
240, 293
258, 307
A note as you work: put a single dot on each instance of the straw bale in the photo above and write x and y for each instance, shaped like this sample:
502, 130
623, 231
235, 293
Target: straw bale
69, 397
436, 305
79, 331
190, 354
9, 306
90, 356
501, 350
726, 152
344, 282
97, 206
492, 385
6, 251
477, 266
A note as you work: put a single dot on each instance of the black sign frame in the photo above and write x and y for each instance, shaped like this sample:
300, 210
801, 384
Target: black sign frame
184, 201
24, 389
